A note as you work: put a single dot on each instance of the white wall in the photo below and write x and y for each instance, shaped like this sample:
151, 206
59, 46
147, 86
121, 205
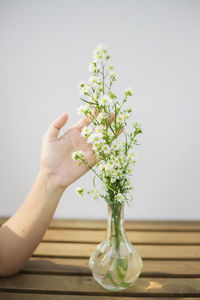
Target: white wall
45, 48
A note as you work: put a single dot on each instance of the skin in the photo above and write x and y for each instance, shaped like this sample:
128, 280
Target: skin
21, 234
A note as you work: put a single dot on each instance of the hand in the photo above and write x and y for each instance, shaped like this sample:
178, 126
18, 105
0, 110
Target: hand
56, 158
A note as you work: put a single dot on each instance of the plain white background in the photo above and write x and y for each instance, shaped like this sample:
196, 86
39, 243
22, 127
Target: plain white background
45, 48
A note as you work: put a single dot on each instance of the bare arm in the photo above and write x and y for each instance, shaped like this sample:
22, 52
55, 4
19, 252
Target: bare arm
21, 234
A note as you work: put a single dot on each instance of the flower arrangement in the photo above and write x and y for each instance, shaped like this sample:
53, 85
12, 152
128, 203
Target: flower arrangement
115, 264
109, 118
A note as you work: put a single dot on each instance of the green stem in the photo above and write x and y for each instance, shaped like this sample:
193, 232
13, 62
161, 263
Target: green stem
120, 264
89, 102
91, 168
103, 76
115, 223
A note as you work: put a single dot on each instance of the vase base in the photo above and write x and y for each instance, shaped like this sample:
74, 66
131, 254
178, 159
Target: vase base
120, 287
115, 273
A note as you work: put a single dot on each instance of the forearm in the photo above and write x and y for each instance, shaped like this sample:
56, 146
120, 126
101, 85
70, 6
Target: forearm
21, 234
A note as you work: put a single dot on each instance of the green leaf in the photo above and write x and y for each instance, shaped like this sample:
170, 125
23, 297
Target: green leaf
117, 269
119, 274
108, 275
124, 263
88, 101
126, 145
125, 284
94, 177
111, 127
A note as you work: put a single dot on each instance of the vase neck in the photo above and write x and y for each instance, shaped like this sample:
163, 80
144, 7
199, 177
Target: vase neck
115, 226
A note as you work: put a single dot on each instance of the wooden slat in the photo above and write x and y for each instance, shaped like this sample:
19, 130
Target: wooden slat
59, 268
85, 284
139, 237
26, 296
80, 266
146, 251
129, 225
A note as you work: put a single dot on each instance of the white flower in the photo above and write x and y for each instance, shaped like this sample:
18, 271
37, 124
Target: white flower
106, 149
118, 173
110, 133
138, 127
101, 48
128, 91
81, 84
126, 116
105, 100
113, 176
101, 116
78, 155
102, 167
132, 156
119, 197
121, 119
94, 80
85, 90
99, 129
80, 191
96, 148
86, 131
113, 76
93, 97
111, 68
95, 193
92, 67
111, 164
130, 109
129, 171
116, 145
82, 109
117, 163
95, 138
108, 168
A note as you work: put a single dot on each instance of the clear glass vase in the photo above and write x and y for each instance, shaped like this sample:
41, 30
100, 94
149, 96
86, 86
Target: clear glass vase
115, 264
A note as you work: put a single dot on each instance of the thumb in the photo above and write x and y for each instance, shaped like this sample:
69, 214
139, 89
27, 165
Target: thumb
56, 125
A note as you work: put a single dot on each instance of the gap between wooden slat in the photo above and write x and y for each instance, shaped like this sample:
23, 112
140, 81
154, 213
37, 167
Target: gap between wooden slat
182, 226
154, 238
104, 295
135, 244
80, 267
143, 287
146, 251
28, 296
147, 258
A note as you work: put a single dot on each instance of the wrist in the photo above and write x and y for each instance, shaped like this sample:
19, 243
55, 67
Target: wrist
50, 182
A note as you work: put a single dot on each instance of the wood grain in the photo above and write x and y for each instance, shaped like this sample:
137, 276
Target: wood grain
185, 226
59, 268
85, 284
155, 268
146, 251
27, 296
137, 237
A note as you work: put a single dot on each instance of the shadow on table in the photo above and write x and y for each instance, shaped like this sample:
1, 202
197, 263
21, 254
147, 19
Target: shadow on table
57, 266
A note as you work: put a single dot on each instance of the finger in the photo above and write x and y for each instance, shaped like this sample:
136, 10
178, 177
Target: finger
85, 121
120, 132
112, 117
56, 125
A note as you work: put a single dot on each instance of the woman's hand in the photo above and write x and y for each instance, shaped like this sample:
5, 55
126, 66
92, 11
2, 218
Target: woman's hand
56, 158
21, 234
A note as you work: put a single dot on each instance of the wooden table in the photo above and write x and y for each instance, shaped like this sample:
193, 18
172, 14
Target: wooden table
59, 269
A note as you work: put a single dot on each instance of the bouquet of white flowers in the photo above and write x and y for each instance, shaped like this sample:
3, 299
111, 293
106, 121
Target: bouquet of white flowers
109, 118
115, 264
